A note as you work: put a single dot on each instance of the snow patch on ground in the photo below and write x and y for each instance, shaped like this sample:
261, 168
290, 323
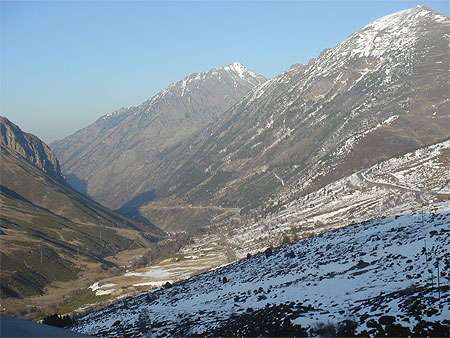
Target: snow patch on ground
104, 289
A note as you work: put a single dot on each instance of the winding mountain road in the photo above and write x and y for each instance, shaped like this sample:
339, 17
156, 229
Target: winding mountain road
418, 194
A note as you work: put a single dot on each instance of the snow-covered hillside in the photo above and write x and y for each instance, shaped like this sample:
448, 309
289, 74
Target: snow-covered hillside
375, 274
396, 186
423, 170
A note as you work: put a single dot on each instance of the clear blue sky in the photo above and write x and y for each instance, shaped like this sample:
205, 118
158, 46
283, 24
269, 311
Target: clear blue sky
66, 63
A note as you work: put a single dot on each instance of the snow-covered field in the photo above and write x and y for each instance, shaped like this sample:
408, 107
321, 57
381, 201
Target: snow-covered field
204, 254
360, 272
177, 270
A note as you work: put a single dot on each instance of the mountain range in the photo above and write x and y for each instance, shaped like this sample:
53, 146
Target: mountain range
239, 164
380, 93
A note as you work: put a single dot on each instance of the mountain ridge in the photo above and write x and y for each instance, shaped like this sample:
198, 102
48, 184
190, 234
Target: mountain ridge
30, 147
157, 124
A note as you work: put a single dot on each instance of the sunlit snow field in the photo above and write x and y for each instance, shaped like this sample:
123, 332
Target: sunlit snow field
337, 275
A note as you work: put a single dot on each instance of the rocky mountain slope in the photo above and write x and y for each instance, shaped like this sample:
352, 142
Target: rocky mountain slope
48, 231
381, 92
29, 147
373, 278
119, 156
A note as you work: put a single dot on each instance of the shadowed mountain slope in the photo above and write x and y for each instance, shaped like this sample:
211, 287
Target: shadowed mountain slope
120, 156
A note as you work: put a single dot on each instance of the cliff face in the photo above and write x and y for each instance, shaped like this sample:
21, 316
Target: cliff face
29, 147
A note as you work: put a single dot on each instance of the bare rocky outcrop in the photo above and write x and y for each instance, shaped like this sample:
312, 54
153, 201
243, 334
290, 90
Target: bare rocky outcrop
28, 146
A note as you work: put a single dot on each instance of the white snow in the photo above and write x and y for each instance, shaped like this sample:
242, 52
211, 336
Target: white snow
154, 284
239, 69
104, 289
337, 274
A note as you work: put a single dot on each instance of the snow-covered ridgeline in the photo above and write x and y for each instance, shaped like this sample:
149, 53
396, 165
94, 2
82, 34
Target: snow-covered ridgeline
236, 71
393, 34
379, 55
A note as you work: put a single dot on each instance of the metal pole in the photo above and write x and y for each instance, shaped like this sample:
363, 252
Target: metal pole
426, 256
439, 290
422, 213
432, 279
422, 216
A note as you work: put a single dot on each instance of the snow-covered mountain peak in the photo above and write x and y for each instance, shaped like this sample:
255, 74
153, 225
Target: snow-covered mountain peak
237, 67
392, 36
170, 116
241, 71
412, 17
192, 81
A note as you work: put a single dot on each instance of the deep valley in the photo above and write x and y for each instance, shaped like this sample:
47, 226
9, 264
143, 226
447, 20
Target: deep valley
314, 203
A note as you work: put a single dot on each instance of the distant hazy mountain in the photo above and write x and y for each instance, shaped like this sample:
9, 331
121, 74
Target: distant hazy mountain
119, 156
381, 92
47, 229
